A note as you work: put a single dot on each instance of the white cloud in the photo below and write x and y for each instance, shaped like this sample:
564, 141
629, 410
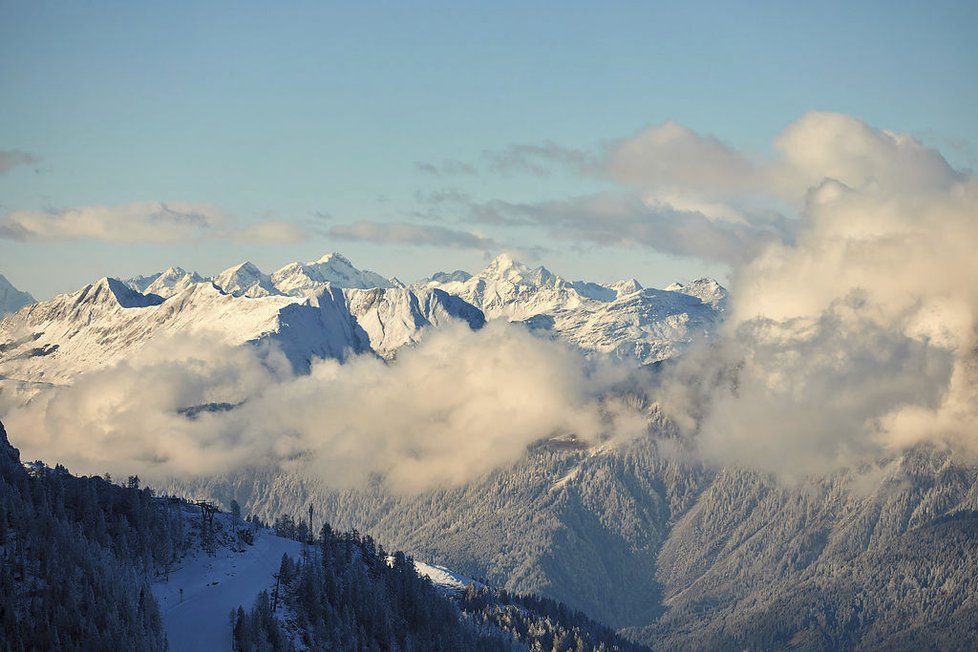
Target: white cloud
271, 231
136, 222
858, 339
457, 405
149, 221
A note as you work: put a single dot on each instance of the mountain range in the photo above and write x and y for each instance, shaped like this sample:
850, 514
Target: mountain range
637, 533
330, 309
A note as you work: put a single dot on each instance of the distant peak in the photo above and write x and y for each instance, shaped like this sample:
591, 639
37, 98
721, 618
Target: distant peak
124, 295
328, 258
246, 266
627, 286
450, 277
504, 263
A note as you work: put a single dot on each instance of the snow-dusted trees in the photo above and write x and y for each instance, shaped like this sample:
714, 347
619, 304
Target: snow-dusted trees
75, 557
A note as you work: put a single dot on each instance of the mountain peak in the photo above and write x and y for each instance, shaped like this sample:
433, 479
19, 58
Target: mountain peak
330, 257
707, 290
505, 262
108, 289
12, 299
298, 278
244, 279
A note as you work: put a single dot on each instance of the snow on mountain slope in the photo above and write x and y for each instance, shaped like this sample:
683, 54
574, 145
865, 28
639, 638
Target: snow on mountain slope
445, 579
173, 281
211, 586
395, 317
623, 318
107, 321
12, 299
298, 278
705, 289
246, 280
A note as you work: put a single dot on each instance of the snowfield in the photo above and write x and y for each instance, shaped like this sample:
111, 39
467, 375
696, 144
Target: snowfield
213, 586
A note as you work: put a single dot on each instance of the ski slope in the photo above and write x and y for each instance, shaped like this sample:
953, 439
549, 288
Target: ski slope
213, 586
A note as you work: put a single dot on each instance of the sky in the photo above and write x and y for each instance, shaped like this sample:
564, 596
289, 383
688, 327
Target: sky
419, 137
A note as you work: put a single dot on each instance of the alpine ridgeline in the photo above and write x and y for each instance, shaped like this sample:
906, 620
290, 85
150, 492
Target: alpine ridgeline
330, 309
12, 299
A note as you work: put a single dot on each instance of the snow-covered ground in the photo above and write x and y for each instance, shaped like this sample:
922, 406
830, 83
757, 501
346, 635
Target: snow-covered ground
443, 577
213, 586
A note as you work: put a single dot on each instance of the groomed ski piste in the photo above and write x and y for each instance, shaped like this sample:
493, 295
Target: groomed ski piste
202, 589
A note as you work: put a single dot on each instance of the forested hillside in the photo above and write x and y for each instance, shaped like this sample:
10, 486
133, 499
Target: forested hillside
641, 537
348, 593
77, 554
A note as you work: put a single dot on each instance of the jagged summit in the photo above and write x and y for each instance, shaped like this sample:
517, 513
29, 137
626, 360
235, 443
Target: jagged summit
108, 289
12, 299
173, 281
621, 318
300, 278
707, 290
245, 279
333, 256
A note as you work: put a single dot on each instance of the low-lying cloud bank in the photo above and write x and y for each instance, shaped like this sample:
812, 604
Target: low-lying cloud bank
459, 404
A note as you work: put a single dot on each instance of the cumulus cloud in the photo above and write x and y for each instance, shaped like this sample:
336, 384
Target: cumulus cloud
405, 233
11, 158
150, 221
455, 406
670, 161
686, 193
858, 339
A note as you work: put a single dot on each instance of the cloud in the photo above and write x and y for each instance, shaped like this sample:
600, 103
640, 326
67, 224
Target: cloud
404, 233
540, 160
457, 405
689, 194
670, 162
625, 220
448, 167
150, 221
858, 339
136, 222
11, 158
270, 231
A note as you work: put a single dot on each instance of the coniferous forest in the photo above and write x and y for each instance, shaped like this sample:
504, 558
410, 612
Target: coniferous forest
78, 554
348, 593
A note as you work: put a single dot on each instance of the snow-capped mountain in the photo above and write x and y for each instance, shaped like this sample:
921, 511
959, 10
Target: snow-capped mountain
245, 280
107, 321
301, 278
12, 299
622, 318
329, 309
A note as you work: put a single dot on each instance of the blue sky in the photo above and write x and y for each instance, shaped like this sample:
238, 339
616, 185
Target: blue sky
326, 115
